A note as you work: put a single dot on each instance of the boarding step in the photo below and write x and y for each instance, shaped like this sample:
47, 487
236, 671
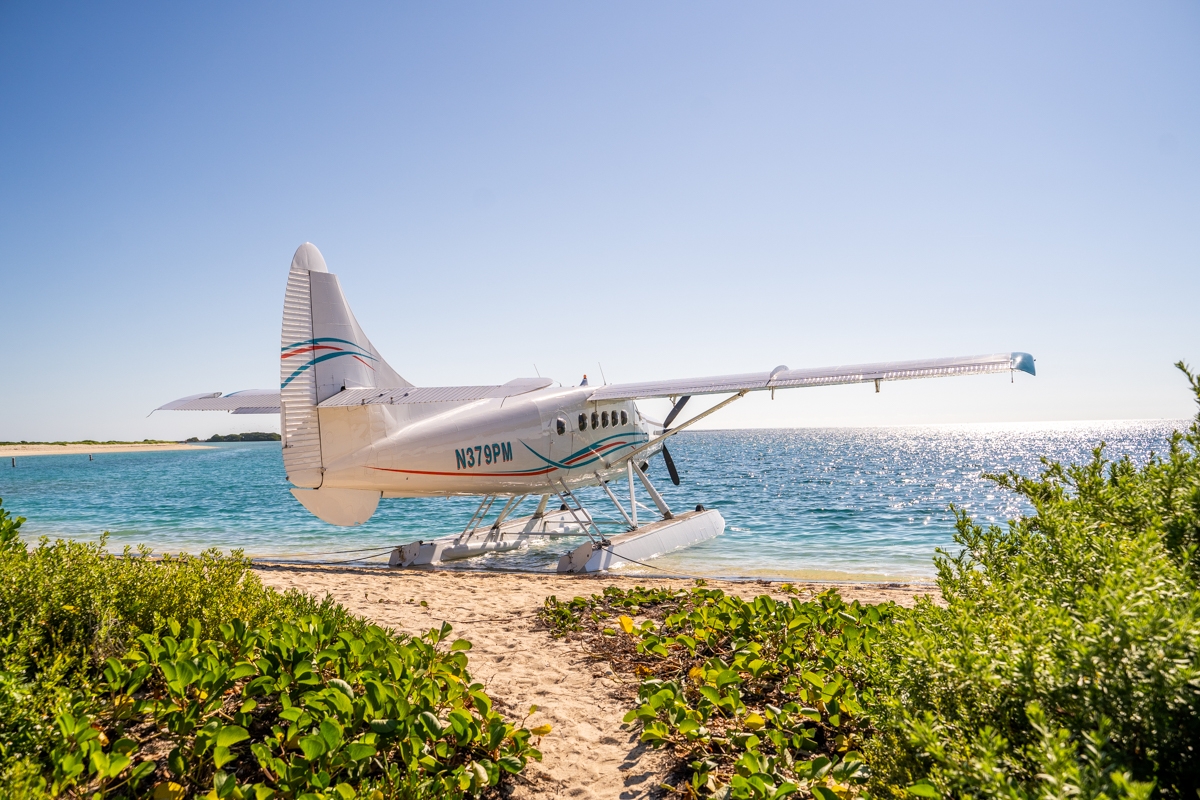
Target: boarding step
512, 534
645, 542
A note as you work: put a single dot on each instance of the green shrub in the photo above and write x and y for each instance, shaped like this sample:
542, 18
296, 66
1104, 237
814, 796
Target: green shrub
287, 711
1066, 660
66, 606
760, 698
102, 692
63, 600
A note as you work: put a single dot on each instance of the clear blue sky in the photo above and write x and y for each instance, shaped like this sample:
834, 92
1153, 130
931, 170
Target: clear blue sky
670, 189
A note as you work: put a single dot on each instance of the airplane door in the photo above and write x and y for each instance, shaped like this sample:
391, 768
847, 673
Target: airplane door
580, 439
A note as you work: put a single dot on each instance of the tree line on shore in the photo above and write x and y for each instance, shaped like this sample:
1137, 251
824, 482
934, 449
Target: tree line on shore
256, 436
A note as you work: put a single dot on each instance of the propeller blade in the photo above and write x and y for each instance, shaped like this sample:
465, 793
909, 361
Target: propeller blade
670, 466
675, 411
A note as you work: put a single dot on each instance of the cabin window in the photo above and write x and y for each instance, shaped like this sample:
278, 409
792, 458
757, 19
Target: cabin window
624, 418
595, 420
583, 422
604, 419
561, 425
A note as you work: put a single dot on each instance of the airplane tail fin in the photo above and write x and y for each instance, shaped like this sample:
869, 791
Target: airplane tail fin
323, 350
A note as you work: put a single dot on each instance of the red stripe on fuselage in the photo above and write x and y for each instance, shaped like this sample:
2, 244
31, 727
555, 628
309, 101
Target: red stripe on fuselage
470, 474
595, 451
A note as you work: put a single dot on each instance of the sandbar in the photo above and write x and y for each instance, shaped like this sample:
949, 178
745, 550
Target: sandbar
22, 450
589, 753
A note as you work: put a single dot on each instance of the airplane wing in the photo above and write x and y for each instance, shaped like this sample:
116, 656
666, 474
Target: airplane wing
266, 401
248, 401
784, 378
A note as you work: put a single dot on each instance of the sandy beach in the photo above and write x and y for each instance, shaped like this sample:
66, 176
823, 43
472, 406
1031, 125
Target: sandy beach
589, 754
22, 450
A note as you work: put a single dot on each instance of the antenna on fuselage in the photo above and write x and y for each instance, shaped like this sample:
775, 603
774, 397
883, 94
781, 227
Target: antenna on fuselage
601, 366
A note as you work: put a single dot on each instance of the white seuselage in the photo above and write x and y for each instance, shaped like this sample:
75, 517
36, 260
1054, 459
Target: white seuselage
355, 431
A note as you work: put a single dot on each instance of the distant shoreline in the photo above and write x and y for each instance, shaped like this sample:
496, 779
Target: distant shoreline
23, 450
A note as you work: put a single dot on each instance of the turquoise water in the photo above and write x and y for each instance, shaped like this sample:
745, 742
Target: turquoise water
865, 504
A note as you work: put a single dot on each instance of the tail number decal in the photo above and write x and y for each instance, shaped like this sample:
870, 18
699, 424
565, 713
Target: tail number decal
482, 454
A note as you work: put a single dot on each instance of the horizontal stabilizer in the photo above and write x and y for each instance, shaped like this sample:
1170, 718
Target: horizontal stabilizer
432, 394
248, 401
784, 378
266, 401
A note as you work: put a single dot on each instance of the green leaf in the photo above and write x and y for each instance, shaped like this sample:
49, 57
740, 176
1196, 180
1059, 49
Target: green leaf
313, 747
117, 764
176, 763
726, 677
824, 793
331, 732
924, 788
224, 783
240, 671
342, 686
141, 770
358, 751
222, 756
460, 644
511, 764
100, 763
124, 746
431, 724
230, 735
384, 726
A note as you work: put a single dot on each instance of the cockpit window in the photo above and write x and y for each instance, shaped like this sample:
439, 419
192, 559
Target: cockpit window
561, 425
583, 422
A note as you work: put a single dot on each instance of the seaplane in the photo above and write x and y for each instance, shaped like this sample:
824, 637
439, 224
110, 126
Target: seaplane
355, 432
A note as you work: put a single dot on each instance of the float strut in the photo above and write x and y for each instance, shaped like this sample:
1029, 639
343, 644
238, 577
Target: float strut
654, 495
614, 499
509, 507
632, 498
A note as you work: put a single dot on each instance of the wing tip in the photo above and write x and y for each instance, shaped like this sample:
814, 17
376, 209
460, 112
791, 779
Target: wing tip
1023, 362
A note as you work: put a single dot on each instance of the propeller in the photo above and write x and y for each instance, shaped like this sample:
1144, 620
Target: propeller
675, 409
666, 454
674, 473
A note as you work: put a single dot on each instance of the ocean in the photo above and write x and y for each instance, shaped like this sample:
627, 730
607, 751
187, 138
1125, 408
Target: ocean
868, 504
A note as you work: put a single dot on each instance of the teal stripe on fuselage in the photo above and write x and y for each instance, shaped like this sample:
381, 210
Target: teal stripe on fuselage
592, 448
599, 442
